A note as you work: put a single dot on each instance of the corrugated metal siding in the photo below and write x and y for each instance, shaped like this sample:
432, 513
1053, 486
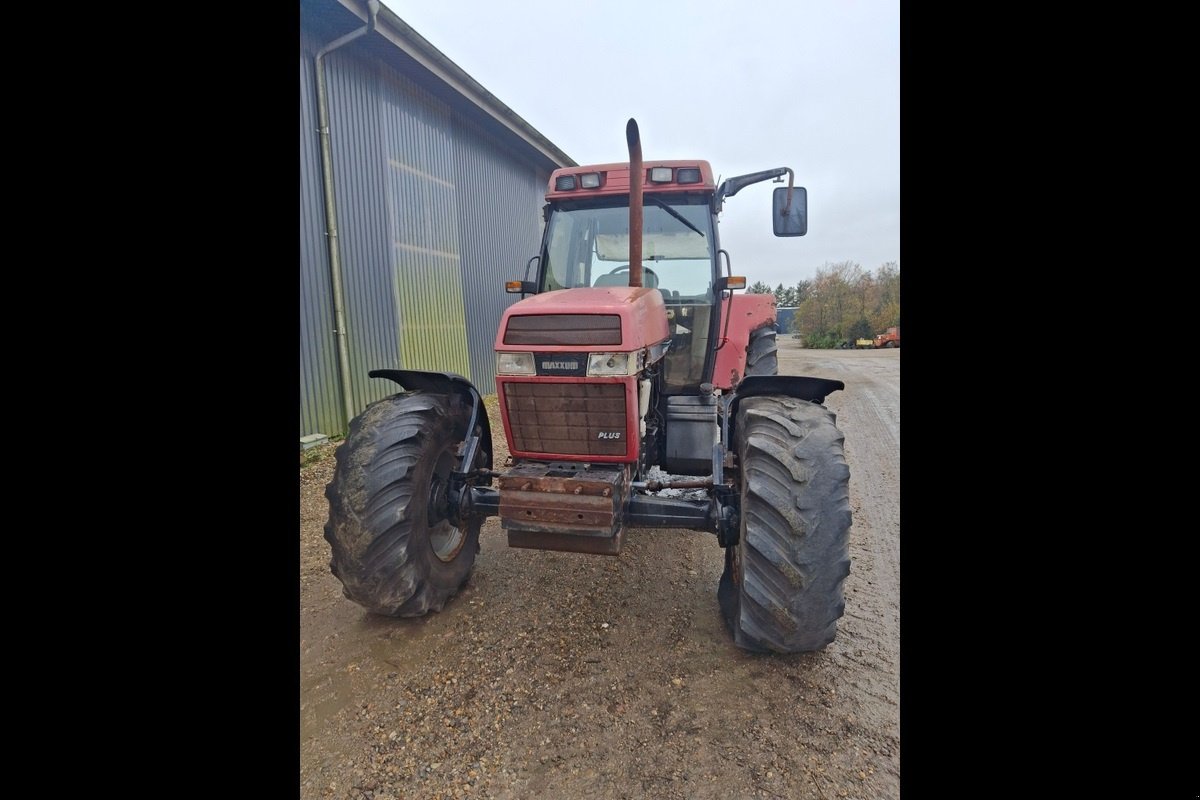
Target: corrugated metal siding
499, 215
434, 215
320, 401
421, 199
360, 179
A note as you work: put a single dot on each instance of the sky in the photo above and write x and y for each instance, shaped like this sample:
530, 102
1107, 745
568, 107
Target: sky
809, 84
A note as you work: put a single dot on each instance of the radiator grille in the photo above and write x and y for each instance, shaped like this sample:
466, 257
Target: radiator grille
563, 329
567, 418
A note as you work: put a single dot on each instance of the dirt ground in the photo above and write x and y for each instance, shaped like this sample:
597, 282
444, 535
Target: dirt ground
564, 675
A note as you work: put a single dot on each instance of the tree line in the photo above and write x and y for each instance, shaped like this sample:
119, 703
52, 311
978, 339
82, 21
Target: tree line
842, 303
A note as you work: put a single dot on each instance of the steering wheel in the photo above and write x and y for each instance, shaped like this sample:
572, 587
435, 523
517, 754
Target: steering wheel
649, 278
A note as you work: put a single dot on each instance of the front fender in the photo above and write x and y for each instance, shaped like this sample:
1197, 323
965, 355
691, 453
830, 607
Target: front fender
447, 383
802, 388
813, 390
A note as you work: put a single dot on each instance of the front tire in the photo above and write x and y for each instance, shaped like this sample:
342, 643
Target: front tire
393, 549
782, 587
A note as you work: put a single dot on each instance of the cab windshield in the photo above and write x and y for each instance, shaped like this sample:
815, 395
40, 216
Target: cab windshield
588, 245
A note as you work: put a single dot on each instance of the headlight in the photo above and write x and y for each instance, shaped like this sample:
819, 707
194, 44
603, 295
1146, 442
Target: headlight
609, 364
515, 364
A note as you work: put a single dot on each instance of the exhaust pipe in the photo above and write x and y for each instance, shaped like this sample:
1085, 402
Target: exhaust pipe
635, 202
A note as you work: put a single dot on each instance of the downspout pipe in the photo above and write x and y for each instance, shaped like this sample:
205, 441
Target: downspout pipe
331, 230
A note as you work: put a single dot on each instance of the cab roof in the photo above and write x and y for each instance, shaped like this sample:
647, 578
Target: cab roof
614, 179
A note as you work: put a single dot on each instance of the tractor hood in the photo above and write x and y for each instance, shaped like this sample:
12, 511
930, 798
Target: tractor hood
617, 318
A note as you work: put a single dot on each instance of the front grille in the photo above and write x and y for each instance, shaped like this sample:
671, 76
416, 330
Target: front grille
567, 418
563, 329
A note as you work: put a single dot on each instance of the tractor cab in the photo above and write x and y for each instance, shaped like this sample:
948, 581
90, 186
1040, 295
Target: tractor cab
586, 244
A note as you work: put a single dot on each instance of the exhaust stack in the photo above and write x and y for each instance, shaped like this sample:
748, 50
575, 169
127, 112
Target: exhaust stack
635, 202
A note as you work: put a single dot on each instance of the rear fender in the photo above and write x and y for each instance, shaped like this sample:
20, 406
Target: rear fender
448, 383
742, 314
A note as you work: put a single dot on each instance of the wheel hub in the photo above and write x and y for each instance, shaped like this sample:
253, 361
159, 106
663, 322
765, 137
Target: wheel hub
444, 538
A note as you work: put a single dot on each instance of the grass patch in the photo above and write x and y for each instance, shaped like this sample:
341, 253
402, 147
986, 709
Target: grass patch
315, 455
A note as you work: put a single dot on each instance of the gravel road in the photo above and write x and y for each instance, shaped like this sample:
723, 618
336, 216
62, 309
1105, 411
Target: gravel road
563, 675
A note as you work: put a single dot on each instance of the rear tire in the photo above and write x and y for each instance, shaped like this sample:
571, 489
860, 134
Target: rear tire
393, 550
782, 587
762, 353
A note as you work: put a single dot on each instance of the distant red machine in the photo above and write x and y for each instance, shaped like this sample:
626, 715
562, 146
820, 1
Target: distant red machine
890, 338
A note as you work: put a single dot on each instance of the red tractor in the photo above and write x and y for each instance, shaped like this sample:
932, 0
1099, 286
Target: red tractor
632, 368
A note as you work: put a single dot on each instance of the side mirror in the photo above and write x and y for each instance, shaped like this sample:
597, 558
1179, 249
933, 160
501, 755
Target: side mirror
795, 221
525, 286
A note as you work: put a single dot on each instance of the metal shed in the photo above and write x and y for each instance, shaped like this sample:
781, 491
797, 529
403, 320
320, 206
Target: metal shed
425, 200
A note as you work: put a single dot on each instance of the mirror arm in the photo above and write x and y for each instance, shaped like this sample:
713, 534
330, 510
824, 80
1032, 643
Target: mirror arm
732, 186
